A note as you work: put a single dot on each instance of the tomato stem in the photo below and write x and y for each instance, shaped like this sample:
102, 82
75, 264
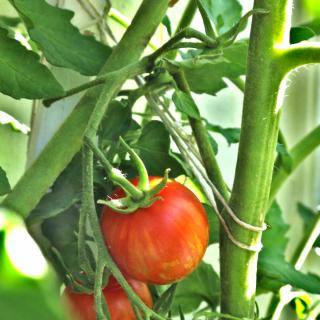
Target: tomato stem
114, 174
143, 183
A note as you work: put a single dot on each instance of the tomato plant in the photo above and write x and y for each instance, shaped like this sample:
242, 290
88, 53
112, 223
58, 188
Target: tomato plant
161, 243
119, 306
142, 115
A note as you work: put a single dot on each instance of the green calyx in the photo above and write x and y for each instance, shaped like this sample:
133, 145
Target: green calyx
140, 196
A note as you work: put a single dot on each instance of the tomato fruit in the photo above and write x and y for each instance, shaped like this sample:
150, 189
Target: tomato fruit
162, 243
83, 308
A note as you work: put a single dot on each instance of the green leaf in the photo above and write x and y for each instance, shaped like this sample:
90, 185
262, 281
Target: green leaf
224, 13
202, 285
163, 304
274, 238
273, 270
116, 122
213, 224
54, 222
64, 194
205, 75
185, 104
279, 272
309, 218
305, 31
6, 21
62, 43
285, 157
214, 144
232, 135
298, 34
167, 23
21, 74
4, 183
14, 123
154, 147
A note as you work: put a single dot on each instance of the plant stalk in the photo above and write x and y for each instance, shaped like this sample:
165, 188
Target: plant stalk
259, 132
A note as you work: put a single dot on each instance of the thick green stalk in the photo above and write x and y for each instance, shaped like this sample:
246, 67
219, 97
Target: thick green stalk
68, 139
298, 153
259, 131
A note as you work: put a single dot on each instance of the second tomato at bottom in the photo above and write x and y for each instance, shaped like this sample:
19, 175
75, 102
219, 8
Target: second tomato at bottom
83, 308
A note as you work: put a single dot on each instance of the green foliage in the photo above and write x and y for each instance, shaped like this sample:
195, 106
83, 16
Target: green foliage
4, 183
273, 270
309, 217
154, 149
164, 302
205, 73
167, 23
21, 74
116, 122
54, 222
61, 42
202, 285
185, 104
305, 31
232, 135
223, 13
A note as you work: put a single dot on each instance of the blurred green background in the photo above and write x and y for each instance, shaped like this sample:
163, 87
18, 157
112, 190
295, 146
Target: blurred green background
29, 288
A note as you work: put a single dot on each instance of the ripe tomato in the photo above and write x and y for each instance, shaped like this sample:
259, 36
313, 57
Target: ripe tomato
162, 243
82, 305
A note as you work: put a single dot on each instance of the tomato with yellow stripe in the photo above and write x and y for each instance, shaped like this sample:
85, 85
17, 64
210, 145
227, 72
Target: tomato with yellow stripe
162, 243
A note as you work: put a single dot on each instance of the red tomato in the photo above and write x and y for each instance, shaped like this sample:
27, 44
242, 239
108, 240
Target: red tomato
160, 244
82, 305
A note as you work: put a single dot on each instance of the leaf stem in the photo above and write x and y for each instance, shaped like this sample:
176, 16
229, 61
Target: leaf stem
187, 33
297, 55
71, 92
298, 153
